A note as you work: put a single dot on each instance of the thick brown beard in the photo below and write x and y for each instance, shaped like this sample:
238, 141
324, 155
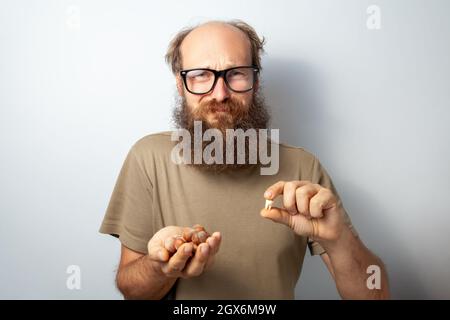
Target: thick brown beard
239, 116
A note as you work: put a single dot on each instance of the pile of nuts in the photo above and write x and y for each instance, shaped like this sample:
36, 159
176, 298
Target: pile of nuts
197, 234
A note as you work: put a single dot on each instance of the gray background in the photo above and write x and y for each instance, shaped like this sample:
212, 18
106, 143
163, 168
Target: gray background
81, 81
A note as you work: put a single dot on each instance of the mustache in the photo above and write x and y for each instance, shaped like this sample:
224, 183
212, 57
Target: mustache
234, 108
239, 115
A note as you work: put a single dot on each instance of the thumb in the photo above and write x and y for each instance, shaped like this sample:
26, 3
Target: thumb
277, 215
299, 223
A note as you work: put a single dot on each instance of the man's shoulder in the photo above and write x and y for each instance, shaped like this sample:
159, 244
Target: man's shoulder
154, 142
295, 152
157, 137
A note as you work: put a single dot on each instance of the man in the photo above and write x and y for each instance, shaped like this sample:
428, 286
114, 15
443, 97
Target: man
156, 202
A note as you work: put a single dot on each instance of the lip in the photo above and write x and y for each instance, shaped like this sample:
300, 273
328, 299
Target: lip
220, 109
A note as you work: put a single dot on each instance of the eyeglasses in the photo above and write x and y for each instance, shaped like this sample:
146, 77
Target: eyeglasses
237, 79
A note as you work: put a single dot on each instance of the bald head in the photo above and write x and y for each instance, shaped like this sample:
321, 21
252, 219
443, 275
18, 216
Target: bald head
215, 36
215, 45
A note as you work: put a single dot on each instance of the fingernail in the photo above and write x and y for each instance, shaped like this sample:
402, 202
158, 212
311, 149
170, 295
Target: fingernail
204, 249
187, 249
267, 194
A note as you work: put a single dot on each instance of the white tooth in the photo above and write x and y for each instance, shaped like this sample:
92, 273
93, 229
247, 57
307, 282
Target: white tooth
269, 204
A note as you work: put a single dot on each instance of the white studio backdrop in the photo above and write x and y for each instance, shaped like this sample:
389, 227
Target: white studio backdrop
81, 81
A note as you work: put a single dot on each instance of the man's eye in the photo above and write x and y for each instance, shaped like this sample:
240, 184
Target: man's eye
199, 75
237, 74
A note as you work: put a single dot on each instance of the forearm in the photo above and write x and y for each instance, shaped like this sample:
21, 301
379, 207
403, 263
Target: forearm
350, 259
140, 280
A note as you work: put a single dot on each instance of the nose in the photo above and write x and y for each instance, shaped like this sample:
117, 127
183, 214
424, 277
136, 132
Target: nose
221, 91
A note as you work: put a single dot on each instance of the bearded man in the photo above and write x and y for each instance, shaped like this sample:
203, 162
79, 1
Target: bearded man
200, 230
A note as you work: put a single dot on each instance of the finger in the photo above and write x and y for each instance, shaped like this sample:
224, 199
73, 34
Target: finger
214, 242
300, 224
179, 240
321, 201
289, 199
303, 196
169, 244
274, 190
277, 215
277, 188
178, 261
158, 253
197, 264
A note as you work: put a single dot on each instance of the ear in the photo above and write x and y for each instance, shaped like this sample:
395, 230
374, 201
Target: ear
180, 86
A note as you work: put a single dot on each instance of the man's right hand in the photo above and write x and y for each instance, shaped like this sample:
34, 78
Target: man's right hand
183, 252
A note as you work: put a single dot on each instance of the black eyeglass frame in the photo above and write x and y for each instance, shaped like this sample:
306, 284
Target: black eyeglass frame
220, 74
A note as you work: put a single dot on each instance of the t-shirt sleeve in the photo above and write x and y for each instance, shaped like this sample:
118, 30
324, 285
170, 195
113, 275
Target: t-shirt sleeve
129, 213
321, 176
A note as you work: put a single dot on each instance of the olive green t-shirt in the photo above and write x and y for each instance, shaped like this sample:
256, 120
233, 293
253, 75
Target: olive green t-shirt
258, 259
